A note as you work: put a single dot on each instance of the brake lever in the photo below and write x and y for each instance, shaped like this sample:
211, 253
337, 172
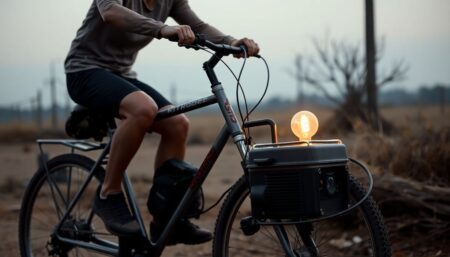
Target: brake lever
246, 51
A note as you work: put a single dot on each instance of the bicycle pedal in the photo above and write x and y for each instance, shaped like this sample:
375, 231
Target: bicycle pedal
249, 226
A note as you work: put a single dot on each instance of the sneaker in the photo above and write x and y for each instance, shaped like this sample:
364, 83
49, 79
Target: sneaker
115, 214
185, 232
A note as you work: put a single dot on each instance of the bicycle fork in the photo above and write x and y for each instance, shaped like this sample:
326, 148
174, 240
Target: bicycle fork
305, 230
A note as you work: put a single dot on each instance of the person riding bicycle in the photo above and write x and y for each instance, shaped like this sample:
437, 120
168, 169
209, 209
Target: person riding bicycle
99, 76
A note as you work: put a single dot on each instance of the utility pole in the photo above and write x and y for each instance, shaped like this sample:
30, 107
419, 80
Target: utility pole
52, 83
442, 98
372, 99
32, 112
39, 110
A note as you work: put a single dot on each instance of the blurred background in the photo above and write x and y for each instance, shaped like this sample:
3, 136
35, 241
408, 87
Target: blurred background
375, 72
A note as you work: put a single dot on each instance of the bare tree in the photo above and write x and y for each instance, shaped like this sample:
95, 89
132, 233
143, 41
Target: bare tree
338, 71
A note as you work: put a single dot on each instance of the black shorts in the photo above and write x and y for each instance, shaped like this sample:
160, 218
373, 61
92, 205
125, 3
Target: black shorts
102, 90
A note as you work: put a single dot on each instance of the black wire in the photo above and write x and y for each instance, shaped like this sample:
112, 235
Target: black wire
239, 85
247, 116
265, 89
358, 203
216, 203
261, 98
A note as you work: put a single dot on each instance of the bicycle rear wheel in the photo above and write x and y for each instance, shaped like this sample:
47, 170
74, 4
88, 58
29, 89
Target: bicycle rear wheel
43, 207
360, 233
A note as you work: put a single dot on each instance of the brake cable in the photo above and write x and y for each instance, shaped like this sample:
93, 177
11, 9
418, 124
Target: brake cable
247, 114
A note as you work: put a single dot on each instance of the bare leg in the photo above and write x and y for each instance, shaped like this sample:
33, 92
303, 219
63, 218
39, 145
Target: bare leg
173, 145
137, 111
173, 138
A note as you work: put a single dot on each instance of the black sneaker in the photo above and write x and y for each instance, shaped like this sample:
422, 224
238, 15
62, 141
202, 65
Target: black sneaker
115, 214
184, 232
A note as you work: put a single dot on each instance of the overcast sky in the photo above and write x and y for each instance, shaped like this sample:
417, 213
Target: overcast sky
34, 33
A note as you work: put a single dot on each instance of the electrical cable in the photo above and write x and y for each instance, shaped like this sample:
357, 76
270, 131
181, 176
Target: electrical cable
238, 86
247, 114
216, 203
346, 211
265, 89
237, 78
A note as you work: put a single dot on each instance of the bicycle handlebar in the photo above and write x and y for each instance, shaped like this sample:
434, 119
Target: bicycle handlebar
222, 49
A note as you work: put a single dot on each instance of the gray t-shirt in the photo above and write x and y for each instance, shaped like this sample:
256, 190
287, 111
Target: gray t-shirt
100, 45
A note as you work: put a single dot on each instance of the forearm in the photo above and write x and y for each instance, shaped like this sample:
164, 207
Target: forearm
212, 33
125, 19
183, 14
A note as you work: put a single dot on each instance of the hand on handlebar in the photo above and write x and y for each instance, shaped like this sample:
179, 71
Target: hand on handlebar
252, 47
237, 47
183, 33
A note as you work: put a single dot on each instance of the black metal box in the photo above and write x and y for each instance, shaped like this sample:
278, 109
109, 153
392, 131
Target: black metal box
293, 181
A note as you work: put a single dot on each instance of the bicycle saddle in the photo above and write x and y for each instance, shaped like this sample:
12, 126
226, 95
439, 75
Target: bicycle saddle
83, 123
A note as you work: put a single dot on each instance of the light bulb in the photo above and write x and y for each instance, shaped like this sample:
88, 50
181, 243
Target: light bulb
304, 125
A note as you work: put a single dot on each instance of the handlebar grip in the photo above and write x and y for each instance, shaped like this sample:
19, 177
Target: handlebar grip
198, 39
220, 48
173, 38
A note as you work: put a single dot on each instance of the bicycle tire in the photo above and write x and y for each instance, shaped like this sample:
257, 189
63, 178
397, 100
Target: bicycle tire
34, 211
226, 230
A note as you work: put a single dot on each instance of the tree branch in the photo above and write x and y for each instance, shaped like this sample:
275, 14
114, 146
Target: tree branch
397, 73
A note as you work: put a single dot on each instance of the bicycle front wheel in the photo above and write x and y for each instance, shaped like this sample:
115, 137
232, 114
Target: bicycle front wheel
360, 233
43, 207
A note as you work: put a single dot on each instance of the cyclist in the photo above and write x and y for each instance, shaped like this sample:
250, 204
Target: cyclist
99, 76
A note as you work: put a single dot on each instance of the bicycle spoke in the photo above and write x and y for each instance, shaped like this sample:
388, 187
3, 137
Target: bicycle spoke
345, 236
69, 184
52, 186
52, 195
39, 237
43, 222
78, 187
269, 245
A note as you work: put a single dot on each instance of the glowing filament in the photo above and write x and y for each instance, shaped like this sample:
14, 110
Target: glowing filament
304, 124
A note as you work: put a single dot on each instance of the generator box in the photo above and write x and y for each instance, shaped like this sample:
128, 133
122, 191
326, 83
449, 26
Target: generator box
297, 181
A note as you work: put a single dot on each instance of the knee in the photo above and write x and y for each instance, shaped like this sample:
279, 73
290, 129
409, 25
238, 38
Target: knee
139, 109
178, 126
144, 115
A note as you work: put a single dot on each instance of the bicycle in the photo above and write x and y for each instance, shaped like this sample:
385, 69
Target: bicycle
65, 185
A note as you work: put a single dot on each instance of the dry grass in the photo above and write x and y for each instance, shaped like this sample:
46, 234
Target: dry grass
418, 150
17, 131
27, 132
205, 126
424, 156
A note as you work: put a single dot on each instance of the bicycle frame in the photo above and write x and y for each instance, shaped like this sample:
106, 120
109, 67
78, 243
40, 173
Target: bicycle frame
232, 128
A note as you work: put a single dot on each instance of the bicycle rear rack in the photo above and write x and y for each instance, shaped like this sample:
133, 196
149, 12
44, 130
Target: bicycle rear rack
81, 145
73, 144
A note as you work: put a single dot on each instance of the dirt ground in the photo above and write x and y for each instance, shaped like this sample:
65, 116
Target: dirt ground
19, 162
